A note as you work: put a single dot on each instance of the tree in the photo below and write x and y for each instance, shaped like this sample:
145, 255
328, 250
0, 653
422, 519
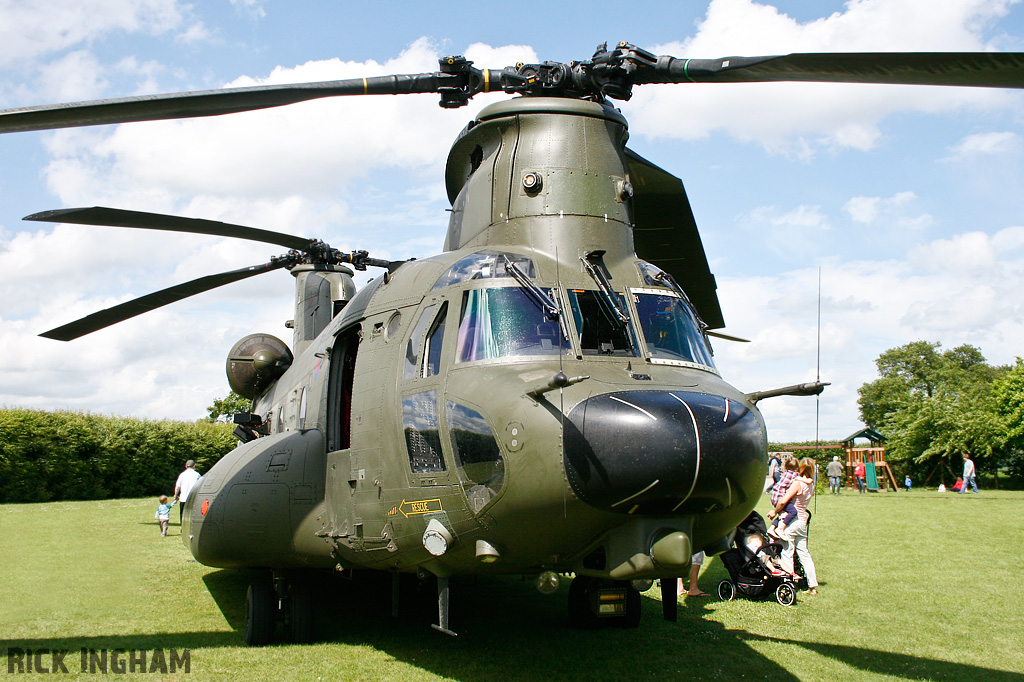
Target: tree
1008, 394
933, 404
226, 407
907, 373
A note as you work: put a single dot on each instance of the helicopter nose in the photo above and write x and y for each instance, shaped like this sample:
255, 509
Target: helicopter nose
662, 452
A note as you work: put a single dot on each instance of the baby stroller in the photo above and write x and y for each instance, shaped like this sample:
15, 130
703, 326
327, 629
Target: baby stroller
752, 568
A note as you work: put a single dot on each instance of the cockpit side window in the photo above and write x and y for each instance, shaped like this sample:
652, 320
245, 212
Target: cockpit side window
419, 422
435, 338
477, 455
415, 347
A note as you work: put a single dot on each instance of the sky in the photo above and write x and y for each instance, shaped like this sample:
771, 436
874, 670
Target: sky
905, 200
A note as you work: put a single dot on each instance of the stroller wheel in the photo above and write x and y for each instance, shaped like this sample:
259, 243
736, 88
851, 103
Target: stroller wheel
726, 590
785, 593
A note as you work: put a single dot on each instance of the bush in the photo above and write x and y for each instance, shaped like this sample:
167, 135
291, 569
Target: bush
48, 456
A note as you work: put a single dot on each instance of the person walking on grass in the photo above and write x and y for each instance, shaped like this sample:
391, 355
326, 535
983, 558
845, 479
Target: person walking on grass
163, 514
834, 471
970, 478
183, 486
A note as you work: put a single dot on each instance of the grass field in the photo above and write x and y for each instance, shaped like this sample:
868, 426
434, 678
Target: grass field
914, 586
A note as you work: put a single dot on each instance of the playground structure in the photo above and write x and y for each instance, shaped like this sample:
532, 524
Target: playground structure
878, 474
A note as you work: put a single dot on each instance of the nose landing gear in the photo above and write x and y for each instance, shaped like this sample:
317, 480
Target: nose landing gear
596, 602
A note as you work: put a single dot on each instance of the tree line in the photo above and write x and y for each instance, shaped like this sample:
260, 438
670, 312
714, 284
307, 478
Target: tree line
47, 456
934, 405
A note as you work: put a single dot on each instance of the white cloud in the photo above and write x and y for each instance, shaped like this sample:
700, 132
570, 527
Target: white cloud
312, 148
984, 144
892, 211
252, 8
30, 30
958, 290
74, 77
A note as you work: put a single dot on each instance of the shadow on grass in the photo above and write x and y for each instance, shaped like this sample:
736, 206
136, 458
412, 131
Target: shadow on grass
509, 631
900, 665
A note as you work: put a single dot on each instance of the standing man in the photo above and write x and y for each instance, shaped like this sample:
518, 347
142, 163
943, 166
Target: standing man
183, 486
969, 475
834, 471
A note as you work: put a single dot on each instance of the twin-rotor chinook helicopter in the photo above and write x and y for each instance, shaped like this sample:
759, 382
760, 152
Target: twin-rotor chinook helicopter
539, 399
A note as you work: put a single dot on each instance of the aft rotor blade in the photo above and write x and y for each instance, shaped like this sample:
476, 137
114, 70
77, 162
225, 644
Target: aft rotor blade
666, 235
157, 299
974, 69
209, 102
114, 217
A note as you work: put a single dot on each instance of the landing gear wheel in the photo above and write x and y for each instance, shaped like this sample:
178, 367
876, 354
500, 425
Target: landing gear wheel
634, 609
260, 613
785, 593
580, 614
726, 590
299, 612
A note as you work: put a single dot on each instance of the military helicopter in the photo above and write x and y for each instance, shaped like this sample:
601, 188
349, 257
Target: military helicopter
540, 399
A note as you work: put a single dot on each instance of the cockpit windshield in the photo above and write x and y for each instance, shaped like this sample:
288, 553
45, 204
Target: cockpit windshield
672, 332
504, 322
599, 331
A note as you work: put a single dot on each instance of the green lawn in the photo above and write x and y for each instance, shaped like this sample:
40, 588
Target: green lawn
915, 586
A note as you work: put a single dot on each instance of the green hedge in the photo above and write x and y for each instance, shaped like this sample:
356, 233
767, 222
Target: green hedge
47, 456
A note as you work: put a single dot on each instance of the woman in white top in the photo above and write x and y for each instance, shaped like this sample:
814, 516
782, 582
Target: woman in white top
795, 536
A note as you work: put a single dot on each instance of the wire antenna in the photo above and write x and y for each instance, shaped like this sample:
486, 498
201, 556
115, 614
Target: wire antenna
817, 398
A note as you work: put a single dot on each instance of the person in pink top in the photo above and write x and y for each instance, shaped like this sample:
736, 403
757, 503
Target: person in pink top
795, 536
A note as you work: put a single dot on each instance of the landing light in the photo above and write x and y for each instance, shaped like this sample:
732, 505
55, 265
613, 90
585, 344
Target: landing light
486, 552
548, 582
436, 538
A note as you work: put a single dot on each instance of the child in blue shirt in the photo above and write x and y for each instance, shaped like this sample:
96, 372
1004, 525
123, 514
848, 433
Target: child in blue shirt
163, 514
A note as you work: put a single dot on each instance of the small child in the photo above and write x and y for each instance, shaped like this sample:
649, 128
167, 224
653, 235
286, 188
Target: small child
163, 514
778, 492
907, 483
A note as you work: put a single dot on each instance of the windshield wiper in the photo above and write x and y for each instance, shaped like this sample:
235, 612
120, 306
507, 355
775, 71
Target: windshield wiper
543, 301
610, 304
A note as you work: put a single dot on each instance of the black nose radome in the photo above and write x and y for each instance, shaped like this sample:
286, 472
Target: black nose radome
662, 452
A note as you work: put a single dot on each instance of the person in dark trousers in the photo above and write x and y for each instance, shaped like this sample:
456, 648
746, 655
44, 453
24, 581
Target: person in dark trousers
183, 486
834, 471
970, 475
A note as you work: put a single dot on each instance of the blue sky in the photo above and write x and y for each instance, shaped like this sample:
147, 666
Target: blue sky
907, 199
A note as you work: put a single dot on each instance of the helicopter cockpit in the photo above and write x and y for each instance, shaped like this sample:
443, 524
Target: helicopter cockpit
520, 319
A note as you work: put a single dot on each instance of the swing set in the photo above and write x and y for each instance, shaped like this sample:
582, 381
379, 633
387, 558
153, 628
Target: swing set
878, 474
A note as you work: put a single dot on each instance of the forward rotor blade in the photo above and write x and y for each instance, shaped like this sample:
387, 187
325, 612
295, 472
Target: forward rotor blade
974, 69
208, 102
113, 217
157, 299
